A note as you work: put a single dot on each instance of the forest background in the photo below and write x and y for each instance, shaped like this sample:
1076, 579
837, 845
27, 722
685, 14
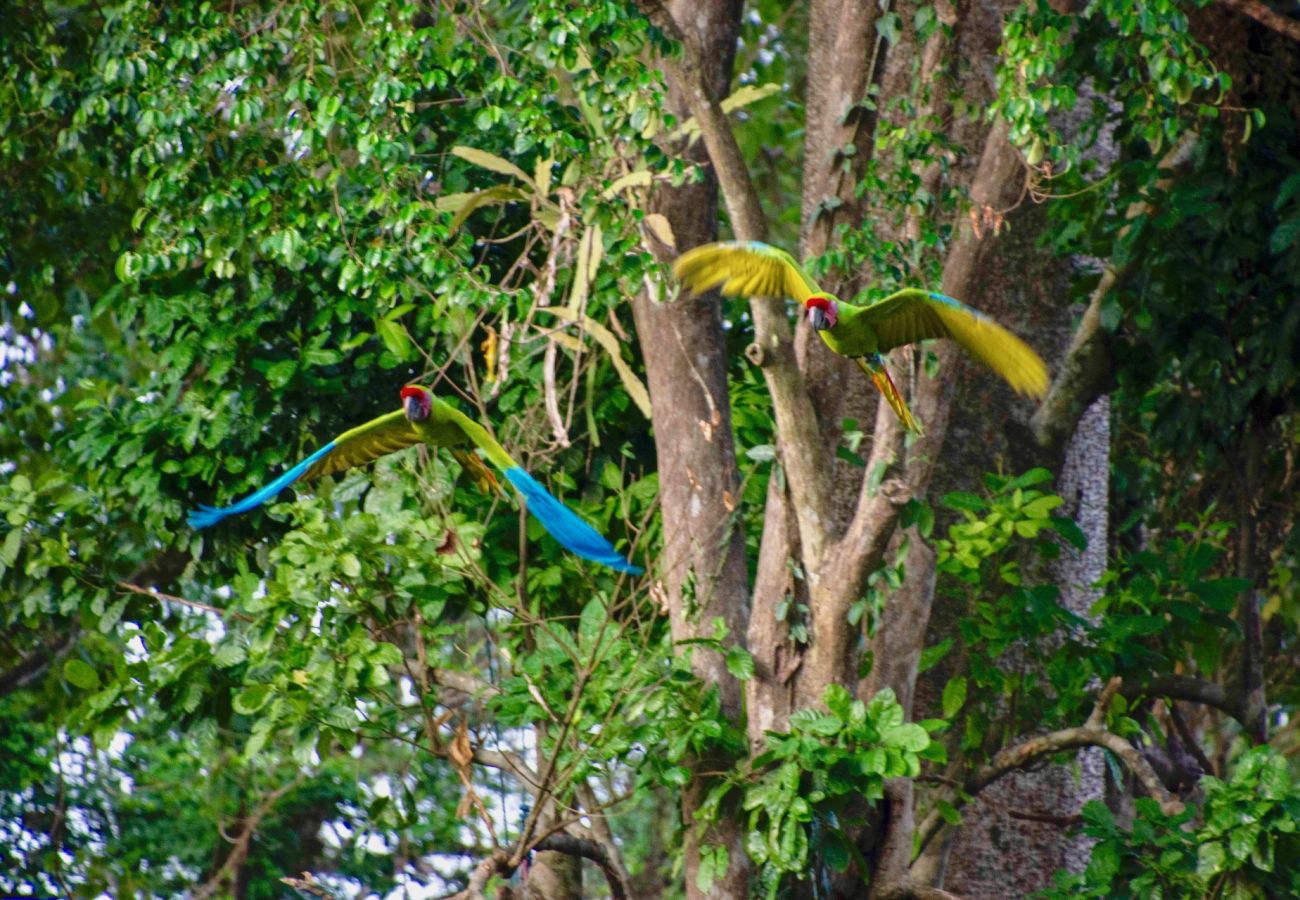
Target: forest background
1039, 648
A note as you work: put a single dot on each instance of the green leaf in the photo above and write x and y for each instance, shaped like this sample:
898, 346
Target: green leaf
932, 656
1068, 529
591, 622
386, 654
1284, 235
394, 337
948, 812
349, 565
1210, 859
229, 654
278, 375
963, 501
81, 674
251, 699
908, 736
954, 696
740, 664
823, 725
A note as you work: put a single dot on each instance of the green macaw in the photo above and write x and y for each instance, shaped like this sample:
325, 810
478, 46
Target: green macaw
426, 419
754, 269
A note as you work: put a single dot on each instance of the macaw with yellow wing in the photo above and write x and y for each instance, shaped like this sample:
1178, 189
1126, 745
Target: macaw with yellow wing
754, 269
426, 419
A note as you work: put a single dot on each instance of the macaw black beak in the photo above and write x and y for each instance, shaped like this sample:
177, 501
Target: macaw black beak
414, 409
817, 319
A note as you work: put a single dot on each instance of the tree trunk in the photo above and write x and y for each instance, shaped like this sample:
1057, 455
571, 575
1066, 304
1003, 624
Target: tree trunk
995, 854
701, 573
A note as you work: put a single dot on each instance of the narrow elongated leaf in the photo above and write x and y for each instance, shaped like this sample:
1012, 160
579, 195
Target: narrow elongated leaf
491, 162
640, 396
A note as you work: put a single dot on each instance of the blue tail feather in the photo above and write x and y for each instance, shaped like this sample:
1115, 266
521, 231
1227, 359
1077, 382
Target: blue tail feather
565, 526
206, 516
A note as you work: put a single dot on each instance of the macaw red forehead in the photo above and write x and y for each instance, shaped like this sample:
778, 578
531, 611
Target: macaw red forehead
818, 302
414, 390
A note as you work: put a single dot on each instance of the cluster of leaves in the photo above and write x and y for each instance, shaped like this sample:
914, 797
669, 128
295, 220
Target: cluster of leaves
815, 783
1015, 677
1159, 76
1169, 608
1237, 844
227, 237
1028, 661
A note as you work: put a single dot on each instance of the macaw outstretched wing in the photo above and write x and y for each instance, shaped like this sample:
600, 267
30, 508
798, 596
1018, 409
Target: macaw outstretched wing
915, 315
358, 446
744, 269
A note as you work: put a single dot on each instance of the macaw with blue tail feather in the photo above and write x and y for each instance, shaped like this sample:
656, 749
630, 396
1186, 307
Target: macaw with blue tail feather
426, 419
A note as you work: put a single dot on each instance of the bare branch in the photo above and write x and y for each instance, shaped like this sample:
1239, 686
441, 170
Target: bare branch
1192, 690
194, 604
306, 884
34, 664
464, 682
912, 890
595, 851
502, 863
1269, 18
1092, 733
508, 761
496, 864
239, 852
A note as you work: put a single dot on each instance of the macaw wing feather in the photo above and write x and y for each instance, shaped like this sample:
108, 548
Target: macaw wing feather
358, 446
366, 443
744, 269
206, 516
915, 315
563, 523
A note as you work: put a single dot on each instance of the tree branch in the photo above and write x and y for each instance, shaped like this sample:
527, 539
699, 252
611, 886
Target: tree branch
798, 433
496, 864
1093, 733
239, 852
912, 890
1287, 27
35, 663
467, 684
1192, 690
595, 851
499, 863
193, 604
1087, 370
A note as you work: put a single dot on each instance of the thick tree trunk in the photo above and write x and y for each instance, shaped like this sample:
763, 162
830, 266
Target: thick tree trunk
701, 574
997, 855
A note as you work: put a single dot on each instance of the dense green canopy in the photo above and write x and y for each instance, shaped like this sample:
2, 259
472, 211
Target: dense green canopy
227, 230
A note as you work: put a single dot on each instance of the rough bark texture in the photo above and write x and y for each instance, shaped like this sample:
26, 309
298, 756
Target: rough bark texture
995, 854
702, 572
825, 528
555, 876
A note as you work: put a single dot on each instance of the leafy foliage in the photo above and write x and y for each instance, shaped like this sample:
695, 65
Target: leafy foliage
1234, 848
813, 785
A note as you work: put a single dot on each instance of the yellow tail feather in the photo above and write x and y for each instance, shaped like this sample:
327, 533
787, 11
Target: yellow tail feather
476, 469
880, 378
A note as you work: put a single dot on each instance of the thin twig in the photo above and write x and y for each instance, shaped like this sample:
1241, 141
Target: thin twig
172, 598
